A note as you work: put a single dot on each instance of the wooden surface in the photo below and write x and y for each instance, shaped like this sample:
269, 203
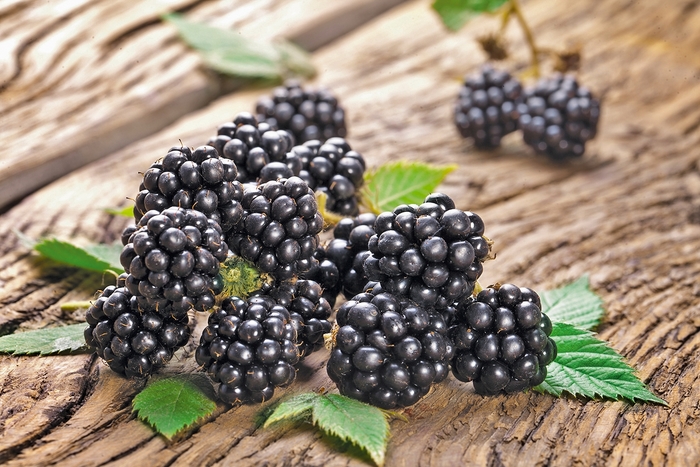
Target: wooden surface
628, 214
81, 79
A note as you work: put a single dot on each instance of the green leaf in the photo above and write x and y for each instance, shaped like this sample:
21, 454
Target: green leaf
573, 304
45, 341
172, 404
456, 13
293, 408
354, 421
94, 257
588, 367
228, 52
123, 212
401, 182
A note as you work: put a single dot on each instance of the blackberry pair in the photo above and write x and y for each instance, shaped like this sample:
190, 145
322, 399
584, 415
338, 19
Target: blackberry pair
133, 342
307, 113
388, 351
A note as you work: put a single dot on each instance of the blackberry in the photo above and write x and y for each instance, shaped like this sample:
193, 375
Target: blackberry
259, 150
501, 340
325, 272
131, 341
278, 231
349, 249
487, 108
559, 116
173, 261
388, 351
250, 347
308, 309
307, 113
431, 253
335, 169
198, 179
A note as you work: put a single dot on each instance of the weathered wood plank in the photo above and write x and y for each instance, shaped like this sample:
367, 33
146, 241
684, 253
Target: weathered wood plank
627, 214
79, 80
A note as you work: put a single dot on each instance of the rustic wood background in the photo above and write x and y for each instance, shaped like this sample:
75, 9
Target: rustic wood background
628, 214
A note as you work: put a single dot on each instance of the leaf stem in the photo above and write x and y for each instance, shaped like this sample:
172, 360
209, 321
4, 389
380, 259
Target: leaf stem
518, 12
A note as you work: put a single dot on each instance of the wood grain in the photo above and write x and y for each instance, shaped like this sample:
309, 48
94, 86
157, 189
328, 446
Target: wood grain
628, 214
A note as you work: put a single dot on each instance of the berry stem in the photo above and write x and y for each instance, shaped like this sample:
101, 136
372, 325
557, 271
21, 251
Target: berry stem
518, 12
72, 306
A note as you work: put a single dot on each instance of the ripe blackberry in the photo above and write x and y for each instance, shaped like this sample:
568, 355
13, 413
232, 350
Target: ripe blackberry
173, 261
335, 169
501, 340
278, 231
487, 108
131, 341
388, 351
260, 150
308, 309
198, 179
559, 116
325, 272
431, 253
250, 347
349, 249
307, 113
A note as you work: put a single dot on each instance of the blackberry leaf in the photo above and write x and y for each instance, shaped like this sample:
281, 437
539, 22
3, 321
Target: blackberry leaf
172, 404
122, 212
588, 367
573, 304
401, 182
93, 257
456, 13
45, 341
293, 408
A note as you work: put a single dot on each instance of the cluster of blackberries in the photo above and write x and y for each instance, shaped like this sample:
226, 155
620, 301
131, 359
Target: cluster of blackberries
557, 116
335, 169
388, 351
172, 259
250, 347
188, 179
309, 114
132, 341
279, 228
501, 340
431, 253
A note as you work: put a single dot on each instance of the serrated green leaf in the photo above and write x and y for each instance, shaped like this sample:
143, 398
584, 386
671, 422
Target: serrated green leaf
228, 52
574, 304
172, 404
123, 212
456, 13
293, 408
354, 421
586, 366
402, 182
93, 257
45, 341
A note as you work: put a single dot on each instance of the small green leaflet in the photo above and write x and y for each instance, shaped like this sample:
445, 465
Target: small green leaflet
573, 304
347, 419
586, 366
456, 13
230, 53
94, 257
172, 404
45, 341
402, 182
123, 212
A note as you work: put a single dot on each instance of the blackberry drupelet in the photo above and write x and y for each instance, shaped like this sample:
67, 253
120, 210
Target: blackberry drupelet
250, 347
198, 179
325, 272
388, 351
309, 312
279, 228
488, 107
173, 261
559, 116
131, 341
431, 253
260, 150
307, 113
501, 340
334, 169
